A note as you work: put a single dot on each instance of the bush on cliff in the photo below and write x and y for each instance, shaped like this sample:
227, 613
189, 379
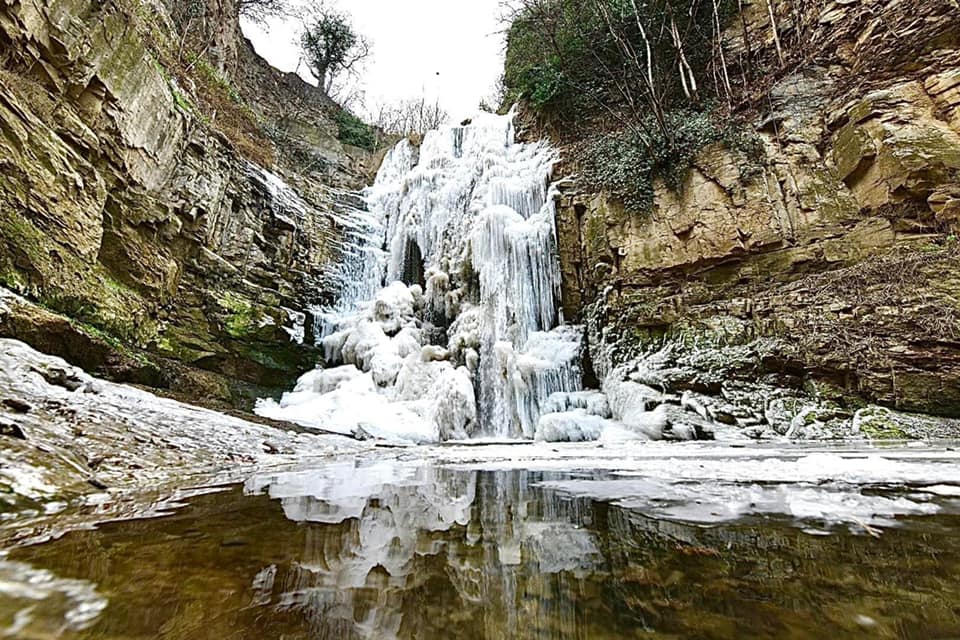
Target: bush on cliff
634, 83
354, 131
628, 161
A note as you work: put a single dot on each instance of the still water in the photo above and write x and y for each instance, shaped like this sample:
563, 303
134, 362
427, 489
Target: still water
390, 550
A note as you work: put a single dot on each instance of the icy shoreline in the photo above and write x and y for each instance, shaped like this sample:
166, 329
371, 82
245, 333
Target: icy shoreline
71, 440
78, 450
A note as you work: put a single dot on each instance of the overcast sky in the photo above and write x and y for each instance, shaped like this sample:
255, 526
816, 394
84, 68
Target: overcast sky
449, 49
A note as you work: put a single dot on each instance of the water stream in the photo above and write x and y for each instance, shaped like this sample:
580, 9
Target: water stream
404, 548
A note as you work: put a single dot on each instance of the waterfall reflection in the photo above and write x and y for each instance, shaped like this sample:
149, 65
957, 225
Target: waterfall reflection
405, 546
414, 551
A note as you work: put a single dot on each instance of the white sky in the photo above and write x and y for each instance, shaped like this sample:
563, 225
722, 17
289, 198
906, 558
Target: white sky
447, 49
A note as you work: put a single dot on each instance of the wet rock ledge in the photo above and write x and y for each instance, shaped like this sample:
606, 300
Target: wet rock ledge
76, 446
183, 211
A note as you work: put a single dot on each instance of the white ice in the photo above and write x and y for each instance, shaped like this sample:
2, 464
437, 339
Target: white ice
466, 338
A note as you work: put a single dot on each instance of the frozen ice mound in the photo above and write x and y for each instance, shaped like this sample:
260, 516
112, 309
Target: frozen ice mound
572, 426
464, 339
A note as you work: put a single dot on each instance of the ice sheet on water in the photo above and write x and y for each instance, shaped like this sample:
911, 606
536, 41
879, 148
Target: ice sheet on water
943, 490
826, 488
715, 503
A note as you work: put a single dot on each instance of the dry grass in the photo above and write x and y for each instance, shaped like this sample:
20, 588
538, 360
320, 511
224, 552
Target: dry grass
234, 120
32, 93
212, 98
884, 297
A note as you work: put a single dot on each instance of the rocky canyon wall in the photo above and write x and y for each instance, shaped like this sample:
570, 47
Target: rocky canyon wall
828, 273
138, 221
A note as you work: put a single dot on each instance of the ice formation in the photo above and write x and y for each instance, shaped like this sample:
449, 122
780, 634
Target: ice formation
448, 323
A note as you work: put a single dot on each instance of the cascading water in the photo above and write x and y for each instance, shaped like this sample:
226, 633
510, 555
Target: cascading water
448, 323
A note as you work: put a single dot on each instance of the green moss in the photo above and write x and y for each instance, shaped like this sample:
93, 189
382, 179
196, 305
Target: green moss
595, 234
116, 343
186, 343
241, 320
354, 131
878, 423
12, 280
88, 295
165, 343
22, 233
117, 287
183, 101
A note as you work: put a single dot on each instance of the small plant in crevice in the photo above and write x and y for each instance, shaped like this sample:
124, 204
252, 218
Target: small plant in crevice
627, 162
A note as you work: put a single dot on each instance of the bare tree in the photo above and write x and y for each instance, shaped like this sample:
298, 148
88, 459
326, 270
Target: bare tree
261, 10
411, 116
348, 92
776, 31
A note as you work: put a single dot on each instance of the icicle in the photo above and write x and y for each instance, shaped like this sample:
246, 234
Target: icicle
467, 227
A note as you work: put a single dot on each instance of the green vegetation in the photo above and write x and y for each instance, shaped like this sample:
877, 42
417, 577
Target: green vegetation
331, 46
241, 320
615, 58
12, 280
878, 423
626, 162
354, 131
217, 79
635, 84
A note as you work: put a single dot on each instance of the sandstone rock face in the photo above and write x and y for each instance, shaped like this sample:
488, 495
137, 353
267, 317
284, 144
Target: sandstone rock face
126, 210
838, 254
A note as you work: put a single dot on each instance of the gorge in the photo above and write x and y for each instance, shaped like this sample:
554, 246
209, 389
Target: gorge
601, 361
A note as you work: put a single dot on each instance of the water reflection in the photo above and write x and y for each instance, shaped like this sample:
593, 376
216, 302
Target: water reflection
409, 551
404, 535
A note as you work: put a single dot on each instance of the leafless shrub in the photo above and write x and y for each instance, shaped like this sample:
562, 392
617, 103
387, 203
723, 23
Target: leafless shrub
411, 116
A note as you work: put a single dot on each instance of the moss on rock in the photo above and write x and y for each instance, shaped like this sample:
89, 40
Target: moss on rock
878, 423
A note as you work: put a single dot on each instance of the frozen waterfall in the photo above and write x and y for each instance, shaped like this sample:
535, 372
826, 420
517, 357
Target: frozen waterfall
448, 323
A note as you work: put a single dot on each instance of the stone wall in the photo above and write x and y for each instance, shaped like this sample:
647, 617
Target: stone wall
128, 211
831, 268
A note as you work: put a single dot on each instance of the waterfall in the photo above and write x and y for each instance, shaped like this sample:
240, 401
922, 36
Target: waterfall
447, 325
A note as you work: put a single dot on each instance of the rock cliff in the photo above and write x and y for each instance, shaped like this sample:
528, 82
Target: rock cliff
169, 201
828, 276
